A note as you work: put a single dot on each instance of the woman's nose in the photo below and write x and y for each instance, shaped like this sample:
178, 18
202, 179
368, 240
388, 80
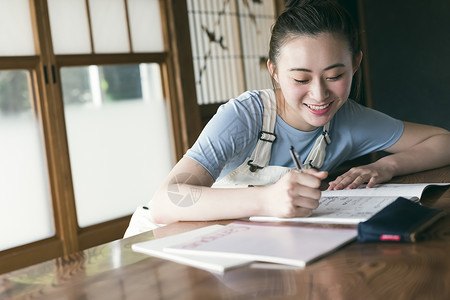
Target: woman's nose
318, 90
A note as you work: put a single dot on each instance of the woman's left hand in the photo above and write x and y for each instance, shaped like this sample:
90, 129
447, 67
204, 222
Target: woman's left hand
371, 174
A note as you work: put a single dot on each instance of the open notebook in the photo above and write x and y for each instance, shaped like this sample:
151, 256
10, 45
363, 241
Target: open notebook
357, 205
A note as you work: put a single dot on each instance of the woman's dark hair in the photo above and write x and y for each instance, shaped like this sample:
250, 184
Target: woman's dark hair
311, 18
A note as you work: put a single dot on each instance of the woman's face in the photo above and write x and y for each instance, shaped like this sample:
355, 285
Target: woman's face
315, 75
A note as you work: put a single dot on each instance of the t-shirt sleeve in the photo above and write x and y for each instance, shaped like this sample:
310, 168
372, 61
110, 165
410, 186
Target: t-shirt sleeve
230, 134
369, 130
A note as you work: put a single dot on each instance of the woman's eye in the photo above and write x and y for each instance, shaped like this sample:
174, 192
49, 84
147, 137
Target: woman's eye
301, 81
334, 78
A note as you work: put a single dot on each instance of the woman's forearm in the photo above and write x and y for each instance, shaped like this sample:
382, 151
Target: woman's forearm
183, 202
409, 157
429, 154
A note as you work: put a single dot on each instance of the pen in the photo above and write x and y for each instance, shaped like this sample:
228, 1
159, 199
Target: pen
296, 159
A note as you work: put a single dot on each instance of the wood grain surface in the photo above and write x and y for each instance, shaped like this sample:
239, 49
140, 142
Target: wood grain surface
357, 271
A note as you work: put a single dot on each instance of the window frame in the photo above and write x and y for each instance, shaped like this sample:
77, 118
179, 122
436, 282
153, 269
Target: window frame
178, 89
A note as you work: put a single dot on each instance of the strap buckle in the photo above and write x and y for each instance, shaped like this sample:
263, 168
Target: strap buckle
267, 136
253, 167
326, 137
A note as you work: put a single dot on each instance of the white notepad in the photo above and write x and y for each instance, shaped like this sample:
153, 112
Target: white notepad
214, 264
290, 245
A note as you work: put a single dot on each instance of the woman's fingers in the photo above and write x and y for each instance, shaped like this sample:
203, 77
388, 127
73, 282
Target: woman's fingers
297, 194
355, 177
311, 178
318, 174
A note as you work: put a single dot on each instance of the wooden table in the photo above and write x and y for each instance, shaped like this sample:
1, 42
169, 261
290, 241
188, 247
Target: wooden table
358, 271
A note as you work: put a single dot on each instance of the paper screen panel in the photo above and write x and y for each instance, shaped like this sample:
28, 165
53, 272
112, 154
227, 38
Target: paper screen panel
109, 26
25, 205
119, 138
230, 41
145, 25
16, 33
69, 26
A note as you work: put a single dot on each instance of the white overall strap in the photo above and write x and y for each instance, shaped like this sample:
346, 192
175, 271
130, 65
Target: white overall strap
318, 152
261, 154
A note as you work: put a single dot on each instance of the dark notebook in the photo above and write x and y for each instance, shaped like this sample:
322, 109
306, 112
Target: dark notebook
401, 221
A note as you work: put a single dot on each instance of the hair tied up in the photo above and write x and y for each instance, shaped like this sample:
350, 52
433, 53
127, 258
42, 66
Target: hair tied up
299, 3
292, 3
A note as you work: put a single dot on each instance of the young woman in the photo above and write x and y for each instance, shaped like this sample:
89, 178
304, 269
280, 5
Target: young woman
314, 55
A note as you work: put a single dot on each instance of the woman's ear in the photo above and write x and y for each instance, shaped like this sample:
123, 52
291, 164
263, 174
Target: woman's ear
272, 70
357, 62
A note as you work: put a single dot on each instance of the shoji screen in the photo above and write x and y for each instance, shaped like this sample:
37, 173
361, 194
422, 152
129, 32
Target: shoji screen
230, 44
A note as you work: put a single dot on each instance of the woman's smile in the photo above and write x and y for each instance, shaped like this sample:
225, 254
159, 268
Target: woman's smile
319, 109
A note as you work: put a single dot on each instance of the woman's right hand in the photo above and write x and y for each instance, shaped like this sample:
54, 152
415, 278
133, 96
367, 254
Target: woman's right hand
296, 194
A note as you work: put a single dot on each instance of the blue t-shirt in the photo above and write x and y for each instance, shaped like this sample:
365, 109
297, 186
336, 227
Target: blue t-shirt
231, 135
